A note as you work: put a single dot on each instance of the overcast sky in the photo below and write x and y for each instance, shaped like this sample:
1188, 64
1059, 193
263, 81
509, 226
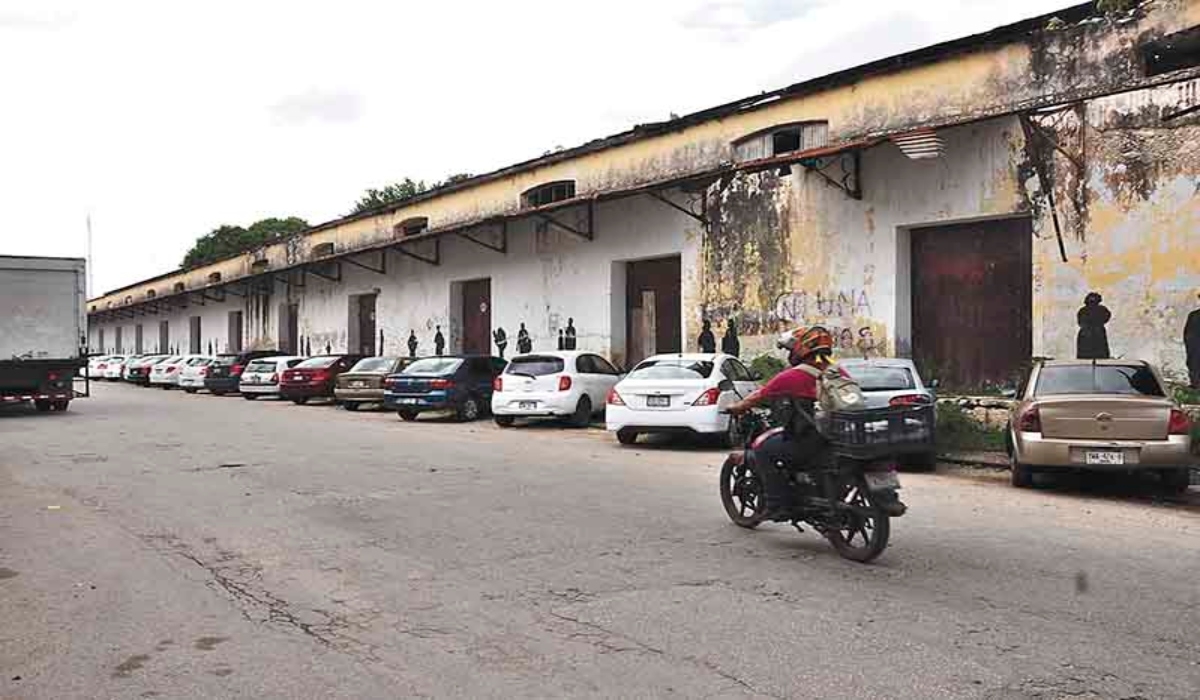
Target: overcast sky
164, 120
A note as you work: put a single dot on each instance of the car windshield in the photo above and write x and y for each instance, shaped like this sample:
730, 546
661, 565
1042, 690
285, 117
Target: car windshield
1129, 380
261, 366
535, 365
374, 364
434, 366
672, 368
225, 360
318, 362
199, 361
879, 378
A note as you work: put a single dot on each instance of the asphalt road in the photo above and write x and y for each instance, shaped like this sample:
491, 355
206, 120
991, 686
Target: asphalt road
155, 544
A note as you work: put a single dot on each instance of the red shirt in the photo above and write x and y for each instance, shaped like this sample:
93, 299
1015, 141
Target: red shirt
793, 383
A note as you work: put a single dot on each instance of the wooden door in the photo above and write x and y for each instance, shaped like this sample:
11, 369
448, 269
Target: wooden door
653, 313
972, 301
477, 316
366, 324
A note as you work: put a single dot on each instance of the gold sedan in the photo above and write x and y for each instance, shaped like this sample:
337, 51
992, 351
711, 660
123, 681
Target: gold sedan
1098, 415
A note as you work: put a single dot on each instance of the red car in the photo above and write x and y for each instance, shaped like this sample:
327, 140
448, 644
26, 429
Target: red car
315, 377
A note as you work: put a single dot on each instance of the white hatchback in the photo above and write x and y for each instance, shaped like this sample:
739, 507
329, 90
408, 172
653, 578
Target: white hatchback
261, 376
193, 372
679, 393
553, 384
165, 374
114, 366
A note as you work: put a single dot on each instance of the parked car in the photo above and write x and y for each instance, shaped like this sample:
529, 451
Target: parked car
225, 374
1098, 415
314, 378
191, 376
363, 383
95, 366
261, 376
114, 366
461, 383
165, 374
574, 385
138, 371
679, 393
893, 381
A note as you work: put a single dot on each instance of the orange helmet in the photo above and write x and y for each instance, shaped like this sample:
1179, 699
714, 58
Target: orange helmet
803, 343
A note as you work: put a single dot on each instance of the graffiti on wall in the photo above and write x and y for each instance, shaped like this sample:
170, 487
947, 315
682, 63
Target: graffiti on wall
800, 305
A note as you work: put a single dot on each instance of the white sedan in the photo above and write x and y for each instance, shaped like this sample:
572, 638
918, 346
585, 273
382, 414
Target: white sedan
165, 374
261, 376
193, 372
679, 393
113, 366
553, 384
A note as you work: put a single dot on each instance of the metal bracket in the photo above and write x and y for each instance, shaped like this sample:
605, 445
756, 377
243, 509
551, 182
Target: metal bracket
204, 295
435, 260
1181, 113
502, 248
332, 278
587, 234
382, 269
702, 217
850, 182
287, 279
229, 290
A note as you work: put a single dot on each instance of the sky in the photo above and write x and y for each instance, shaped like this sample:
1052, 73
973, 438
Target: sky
164, 120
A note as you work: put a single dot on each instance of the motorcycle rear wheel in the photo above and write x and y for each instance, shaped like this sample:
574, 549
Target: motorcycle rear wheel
743, 494
865, 531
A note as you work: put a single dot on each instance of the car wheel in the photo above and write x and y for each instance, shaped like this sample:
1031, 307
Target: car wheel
350, 405
1022, 474
625, 436
504, 421
61, 404
1175, 480
300, 400
921, 461
582, 417
191, 391
42, 405
469, 410
408, 416
249, 397
218, 393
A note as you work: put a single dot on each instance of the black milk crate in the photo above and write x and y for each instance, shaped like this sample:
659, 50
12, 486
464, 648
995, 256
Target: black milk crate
877, 432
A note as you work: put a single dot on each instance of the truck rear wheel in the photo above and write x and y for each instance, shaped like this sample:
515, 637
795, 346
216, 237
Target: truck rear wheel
61, 404
42, 405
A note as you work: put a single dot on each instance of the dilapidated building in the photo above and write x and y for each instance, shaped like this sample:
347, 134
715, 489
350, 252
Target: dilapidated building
955, 204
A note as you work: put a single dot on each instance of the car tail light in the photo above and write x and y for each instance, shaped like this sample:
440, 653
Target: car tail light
319, 376
564, 383
273, 379
171, 369
1030, 421
101, 366
708, 398
203, 372
614, 399
52, 376
497, 384
441, 384
236, 371
909, 400
1179, 424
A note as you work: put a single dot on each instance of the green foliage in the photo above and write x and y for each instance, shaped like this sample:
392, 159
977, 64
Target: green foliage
767, 366
227, 241
957, 429
1184, 394
388, 194
1116, 6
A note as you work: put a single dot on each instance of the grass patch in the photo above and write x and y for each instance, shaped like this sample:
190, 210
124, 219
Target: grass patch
959, 431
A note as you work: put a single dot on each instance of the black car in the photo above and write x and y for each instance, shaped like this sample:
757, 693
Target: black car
225, 373
461, 383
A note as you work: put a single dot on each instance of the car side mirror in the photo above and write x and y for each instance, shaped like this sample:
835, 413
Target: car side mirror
725, 385
756, 376
1009, 393
935, 383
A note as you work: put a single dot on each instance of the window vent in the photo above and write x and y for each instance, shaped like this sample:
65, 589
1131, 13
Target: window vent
322, 250
178, 287
548, 193
150, 293
412, 227
781, 140
920, 145
260, 265
214, 277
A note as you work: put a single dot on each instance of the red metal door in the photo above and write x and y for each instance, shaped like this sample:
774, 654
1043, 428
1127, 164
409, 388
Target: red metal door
477, 316
972, 301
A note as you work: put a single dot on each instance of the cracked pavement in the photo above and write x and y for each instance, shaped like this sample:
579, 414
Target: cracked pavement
350, 555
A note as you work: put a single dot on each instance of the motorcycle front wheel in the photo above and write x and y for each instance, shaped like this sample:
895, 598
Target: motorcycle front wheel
862, 530
742, 493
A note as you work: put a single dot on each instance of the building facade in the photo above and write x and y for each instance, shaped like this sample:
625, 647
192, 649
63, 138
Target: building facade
955, 204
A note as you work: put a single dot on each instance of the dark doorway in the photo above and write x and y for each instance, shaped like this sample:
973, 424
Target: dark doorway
194, 335
972, 302
120, 346
137, 339
101, 341
289, 328
653, 317
477, 316
364, 320
234, 341
164, 337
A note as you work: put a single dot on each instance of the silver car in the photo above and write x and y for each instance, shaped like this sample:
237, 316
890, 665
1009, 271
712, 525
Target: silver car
888, 381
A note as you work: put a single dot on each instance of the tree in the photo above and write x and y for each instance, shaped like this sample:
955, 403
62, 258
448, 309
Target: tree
388, 194
228, 241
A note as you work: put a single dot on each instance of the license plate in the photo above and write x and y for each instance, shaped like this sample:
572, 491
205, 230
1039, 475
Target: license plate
406, 401
658, 401
1105, 457
527, 405
878, 481
358, 385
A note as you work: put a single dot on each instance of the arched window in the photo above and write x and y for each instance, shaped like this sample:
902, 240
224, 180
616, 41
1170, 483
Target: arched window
548, 193
412, 226
178, 287
214, 277
322, 249
260, 265
128, 299
150, 293
780, 140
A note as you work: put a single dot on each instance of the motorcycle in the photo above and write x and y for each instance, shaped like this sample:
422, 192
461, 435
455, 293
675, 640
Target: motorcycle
849, 497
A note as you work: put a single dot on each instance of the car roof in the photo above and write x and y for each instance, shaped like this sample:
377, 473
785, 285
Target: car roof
705, 356
879, 362
564, 354
1088, 363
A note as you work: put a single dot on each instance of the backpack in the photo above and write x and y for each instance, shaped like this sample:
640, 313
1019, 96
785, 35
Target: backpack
836, 391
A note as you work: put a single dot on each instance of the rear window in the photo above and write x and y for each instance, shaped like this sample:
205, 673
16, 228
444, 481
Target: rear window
261, 366
876, 378
1130, 380
374, 364
225, 360
672, 368
199, 361
318, 362
535, 365
434, 366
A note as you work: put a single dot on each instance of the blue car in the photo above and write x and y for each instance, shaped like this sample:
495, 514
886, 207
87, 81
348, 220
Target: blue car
460, 383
